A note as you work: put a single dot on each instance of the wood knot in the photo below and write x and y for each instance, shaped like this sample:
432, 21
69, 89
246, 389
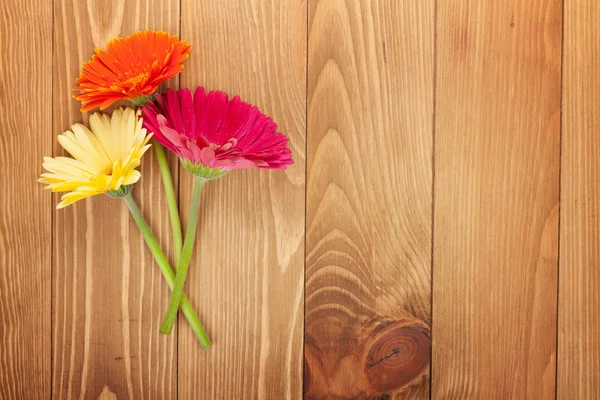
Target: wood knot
397, 356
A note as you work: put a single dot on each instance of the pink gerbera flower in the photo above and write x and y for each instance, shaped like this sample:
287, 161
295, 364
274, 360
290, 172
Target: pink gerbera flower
212, 134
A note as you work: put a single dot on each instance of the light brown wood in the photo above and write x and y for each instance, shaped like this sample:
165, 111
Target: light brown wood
496, 199
25, 212
369, 199
579, 292
108, 294
425, 133
247, 273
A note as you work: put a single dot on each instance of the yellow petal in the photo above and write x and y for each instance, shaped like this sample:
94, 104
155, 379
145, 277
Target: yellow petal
104, 156
66, 186
127, 132
132, 177
90, 144
72, 197
115, 130
70, 144
68, 167
100, 126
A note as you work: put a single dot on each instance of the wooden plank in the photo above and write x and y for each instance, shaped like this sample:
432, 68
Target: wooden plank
109, 295
246, 276
369, 199
496, 199
579, 292
26, 214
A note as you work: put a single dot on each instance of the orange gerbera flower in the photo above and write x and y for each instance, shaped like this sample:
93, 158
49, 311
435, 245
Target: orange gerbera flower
131, 68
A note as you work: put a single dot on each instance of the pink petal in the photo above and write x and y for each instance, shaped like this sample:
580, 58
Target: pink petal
172, 135
230, 143
202, 142
200, 111
246, 127
236, 115
209, 128
162, 121
244, 163
174, 111
217, 107
185, 153
208, 155
187, 111
160, 100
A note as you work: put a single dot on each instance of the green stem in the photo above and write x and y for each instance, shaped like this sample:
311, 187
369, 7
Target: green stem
142, 100
184, 262
166, 270
171, 198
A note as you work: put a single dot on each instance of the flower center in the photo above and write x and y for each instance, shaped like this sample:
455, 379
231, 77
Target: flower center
137, 79
107, 171
137, 72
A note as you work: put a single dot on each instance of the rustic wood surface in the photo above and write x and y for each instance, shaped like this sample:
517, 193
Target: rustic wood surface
437, 238
108, 294
369, 199
579, 300
248, 270
25, 211
497, 155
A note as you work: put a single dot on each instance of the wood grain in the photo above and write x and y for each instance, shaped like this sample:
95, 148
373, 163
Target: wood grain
425, 132
496, 199
247, 272
108, 294
369, 199
579, 292
25, 213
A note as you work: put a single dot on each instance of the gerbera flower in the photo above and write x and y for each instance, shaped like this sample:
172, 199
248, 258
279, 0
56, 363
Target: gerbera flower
104, 157
131, 68
212, 134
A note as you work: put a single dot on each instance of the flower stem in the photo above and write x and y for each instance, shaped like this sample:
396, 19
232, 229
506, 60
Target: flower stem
166, 270
171, 198
142, 100
186, 255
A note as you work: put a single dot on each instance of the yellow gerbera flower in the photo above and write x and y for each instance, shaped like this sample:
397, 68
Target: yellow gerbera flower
104, 157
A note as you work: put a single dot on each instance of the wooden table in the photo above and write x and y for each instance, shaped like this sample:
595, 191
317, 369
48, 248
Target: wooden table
436, 238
